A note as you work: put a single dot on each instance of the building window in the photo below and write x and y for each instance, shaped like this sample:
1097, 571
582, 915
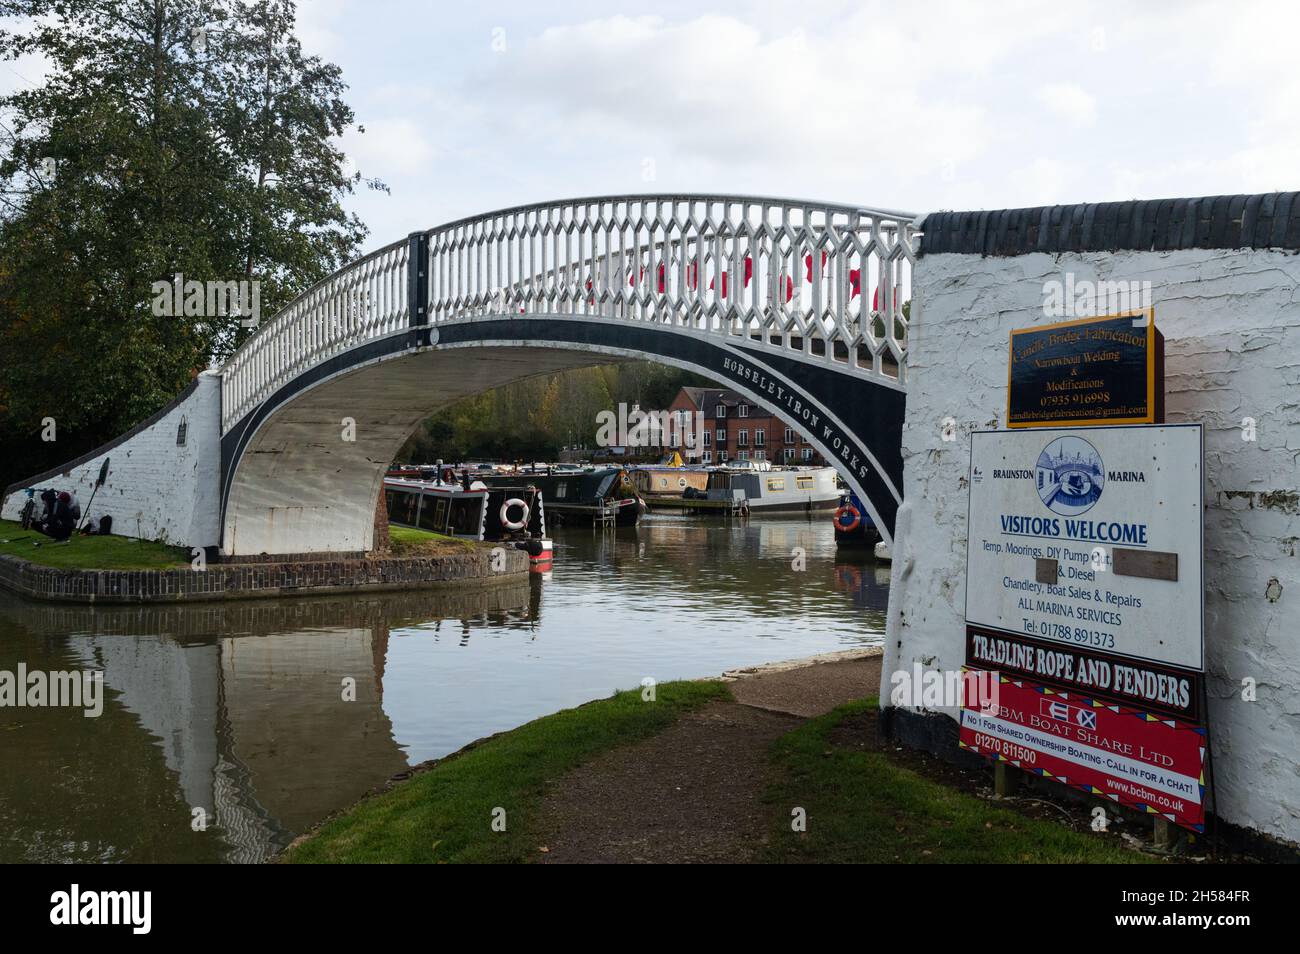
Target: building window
721, 411
708, 455
722, 435
789, 453
743, 410
760, 438
722, 457
789, 435
742, 439
760, 455
707, 438
807, 453
744, 455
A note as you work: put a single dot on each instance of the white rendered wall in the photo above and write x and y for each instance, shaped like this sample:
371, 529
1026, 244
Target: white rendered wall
1231, 321
155, 490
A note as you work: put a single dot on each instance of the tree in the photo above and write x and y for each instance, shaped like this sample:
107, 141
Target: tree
170, 136
536, 417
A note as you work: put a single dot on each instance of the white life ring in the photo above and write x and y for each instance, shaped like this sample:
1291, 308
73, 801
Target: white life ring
505, 511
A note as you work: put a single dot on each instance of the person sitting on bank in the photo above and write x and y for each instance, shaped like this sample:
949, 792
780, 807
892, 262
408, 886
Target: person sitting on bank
41, 522
63, 520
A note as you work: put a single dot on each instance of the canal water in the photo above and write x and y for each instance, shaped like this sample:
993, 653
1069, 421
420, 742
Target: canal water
235, 712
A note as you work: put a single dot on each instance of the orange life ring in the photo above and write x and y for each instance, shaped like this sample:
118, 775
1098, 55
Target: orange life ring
840, 514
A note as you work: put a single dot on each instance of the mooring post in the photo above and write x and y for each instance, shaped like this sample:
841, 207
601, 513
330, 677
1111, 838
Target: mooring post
1005, 779
1164, 832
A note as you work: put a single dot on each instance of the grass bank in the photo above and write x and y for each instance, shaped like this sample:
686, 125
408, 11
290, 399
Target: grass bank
122, 553
445, 814
862, 804
864, 807
90, 552
409, 542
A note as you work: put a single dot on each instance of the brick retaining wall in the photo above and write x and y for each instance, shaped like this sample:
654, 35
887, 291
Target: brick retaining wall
254, 580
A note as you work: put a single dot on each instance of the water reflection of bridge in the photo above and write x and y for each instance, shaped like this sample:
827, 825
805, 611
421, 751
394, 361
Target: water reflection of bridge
252, 724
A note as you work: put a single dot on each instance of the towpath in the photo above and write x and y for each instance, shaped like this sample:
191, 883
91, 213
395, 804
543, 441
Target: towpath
693, 793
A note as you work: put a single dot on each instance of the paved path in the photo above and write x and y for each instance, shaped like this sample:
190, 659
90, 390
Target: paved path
693, 793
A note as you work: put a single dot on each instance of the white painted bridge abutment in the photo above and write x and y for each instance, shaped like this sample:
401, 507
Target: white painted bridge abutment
1224, 276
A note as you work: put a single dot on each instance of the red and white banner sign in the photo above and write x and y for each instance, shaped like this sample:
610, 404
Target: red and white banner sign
1139, 759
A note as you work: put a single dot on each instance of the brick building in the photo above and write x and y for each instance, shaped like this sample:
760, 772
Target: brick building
737, 429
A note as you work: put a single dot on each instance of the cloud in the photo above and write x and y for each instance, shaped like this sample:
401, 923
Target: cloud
718, 90
317, 27
394, 146
1070, 102
919, 106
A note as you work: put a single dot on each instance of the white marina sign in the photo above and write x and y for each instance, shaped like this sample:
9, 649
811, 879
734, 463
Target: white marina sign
1090, 538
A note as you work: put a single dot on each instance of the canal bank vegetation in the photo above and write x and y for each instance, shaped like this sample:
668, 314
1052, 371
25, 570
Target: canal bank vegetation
91, 552
410, 542
94, 552
861, 803
446, 813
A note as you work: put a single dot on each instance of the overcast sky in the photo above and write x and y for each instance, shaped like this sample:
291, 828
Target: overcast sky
468, 107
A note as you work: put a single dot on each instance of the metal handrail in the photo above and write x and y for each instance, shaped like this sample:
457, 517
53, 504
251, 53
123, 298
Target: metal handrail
822, 282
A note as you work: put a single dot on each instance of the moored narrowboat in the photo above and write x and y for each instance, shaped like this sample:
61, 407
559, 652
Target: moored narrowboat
853, 524
599, 496
508, 514
655, 483
759, 490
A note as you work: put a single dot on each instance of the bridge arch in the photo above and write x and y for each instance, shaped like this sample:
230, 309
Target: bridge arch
768, 297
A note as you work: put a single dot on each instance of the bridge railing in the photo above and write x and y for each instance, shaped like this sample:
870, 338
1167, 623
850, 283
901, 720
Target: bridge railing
824, 283
362, 301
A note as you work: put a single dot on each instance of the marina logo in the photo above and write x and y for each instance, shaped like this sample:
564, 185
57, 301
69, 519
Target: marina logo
637, 428
1069, 476
195, 299
37, 689
1088, 299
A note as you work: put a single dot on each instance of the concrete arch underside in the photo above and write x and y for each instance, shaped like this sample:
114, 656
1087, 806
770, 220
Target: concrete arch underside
291, 483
